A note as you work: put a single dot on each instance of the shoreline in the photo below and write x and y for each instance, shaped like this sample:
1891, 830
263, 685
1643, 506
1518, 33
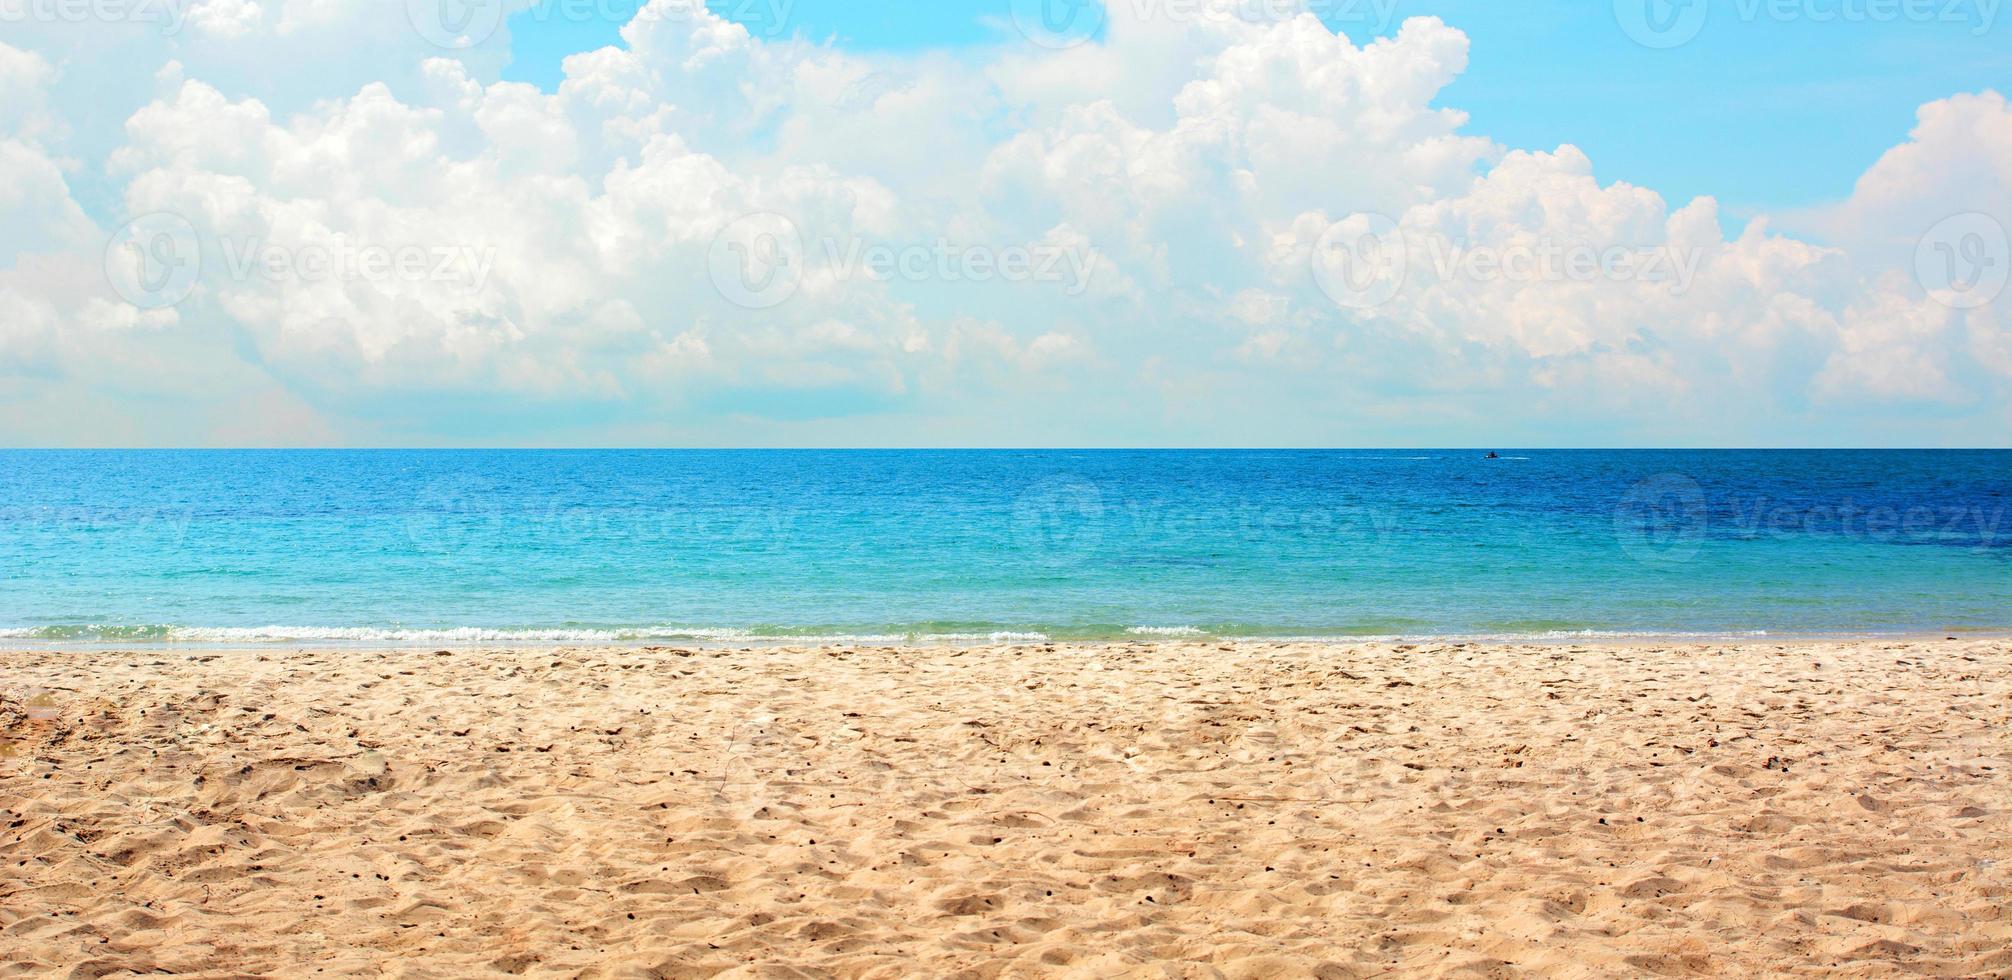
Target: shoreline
1092, 810
1007, 640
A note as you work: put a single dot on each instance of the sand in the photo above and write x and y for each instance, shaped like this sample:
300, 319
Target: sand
1185, 810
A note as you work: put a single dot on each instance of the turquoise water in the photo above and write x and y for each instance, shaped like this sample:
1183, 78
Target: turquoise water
419, 547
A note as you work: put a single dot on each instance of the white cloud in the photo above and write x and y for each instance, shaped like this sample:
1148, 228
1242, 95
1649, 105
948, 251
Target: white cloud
24, 80
1957, 159
225, 18
401, 225
37, 214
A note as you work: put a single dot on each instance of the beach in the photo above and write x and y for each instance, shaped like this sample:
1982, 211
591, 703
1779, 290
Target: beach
1177, 809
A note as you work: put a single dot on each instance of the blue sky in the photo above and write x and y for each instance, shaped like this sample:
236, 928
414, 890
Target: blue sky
1762, 113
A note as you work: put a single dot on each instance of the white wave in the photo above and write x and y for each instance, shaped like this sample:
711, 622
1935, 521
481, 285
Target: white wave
1630, 634
369, 634
825, 639
999, 637
711, 635
1545, 636
364, 634
260, 635
397, 636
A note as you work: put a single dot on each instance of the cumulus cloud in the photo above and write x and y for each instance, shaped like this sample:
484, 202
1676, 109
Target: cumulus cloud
707, 227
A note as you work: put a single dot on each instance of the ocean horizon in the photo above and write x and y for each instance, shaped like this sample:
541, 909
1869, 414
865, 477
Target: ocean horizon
398, 547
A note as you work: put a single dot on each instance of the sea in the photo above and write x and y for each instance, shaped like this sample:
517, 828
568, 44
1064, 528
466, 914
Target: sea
247, 548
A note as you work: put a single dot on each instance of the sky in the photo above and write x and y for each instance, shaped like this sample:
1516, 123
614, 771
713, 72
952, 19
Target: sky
1760, 112
1016, 222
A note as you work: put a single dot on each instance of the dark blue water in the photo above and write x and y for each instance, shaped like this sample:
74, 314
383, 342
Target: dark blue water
424, 546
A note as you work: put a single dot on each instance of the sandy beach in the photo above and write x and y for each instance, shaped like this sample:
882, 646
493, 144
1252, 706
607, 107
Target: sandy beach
1174, 809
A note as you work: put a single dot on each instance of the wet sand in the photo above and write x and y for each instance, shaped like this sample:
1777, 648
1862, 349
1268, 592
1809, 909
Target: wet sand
1172, 809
